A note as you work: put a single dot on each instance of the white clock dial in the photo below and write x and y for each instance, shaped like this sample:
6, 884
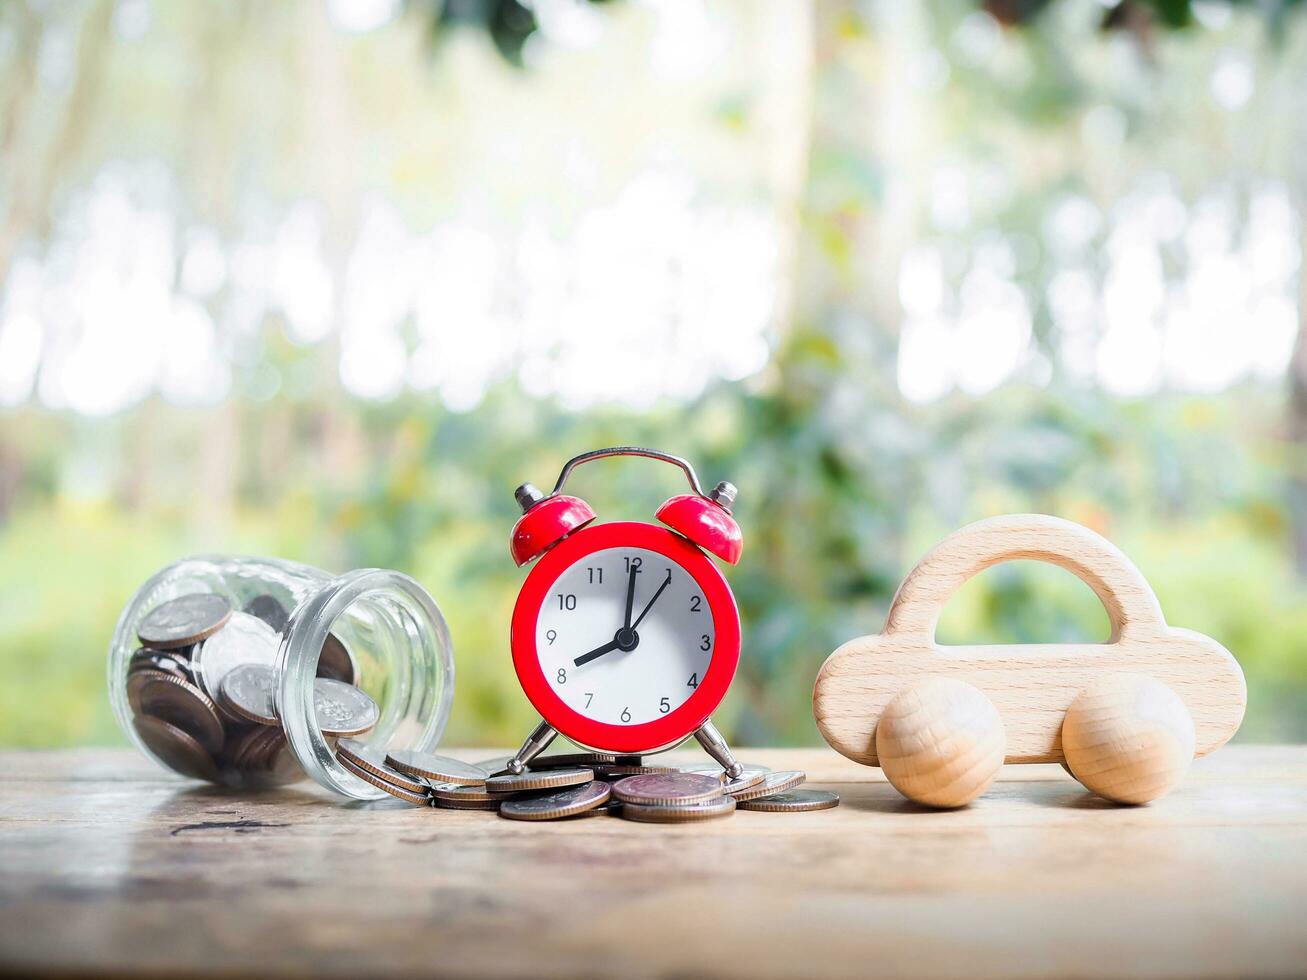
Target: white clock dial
613, 674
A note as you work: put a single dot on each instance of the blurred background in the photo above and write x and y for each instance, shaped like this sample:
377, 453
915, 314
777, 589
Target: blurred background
326, 280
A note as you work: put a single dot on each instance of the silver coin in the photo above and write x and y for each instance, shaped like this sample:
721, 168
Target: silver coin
244, 640
336, 662
570, 760
795, 801
417, 799
436, 767
444, 803
373, 759
529, 780
557, 804
746, 780
456, 793
712, 769
175, 749
182, 621
667, 789
269, 609
772, 783
170, 698
170, 662
689, 813
250, 692
618, 771
496, 764
342, 709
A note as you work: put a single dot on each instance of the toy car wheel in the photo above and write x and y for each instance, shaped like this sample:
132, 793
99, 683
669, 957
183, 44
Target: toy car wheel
1128, 738
940, 742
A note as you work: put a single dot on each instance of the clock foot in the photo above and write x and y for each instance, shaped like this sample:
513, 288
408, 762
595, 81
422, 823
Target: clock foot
535, 743
711, 739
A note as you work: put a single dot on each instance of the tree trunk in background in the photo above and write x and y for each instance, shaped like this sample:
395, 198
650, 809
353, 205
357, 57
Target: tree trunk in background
334, 173
214, 154
1287, 90
822, 441
31, 189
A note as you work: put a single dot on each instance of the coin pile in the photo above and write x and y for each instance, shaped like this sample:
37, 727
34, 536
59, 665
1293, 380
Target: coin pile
581, 784
202, 689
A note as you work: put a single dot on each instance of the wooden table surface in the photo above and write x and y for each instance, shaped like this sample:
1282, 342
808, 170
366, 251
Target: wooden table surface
110, 866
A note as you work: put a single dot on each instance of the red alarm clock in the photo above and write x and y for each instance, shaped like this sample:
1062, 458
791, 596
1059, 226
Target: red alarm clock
625, 636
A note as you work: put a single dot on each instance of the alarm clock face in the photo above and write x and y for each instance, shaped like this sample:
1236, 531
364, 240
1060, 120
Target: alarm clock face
625, 637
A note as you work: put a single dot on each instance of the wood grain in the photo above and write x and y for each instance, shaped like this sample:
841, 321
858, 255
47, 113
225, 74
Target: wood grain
940, 742
1128, 738
111, 867
1031, 685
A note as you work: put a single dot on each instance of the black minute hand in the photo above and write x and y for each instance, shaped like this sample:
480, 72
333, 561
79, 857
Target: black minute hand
595, 654
666, 582
630, 596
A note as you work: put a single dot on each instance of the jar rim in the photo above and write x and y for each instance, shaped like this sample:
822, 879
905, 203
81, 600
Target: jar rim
301, 645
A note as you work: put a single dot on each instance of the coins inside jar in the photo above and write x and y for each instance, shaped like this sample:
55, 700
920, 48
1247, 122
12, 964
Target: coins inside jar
176, 749
167, 697
335, 662
269, 609
183, 621
243, 640
342, 709
202, 690
171, 662
250, 692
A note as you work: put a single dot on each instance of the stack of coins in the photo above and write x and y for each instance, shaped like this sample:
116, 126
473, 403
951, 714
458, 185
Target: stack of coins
580, 784
202, 689
706, 792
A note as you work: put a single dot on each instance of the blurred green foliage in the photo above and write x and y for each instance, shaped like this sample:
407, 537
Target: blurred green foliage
833, 512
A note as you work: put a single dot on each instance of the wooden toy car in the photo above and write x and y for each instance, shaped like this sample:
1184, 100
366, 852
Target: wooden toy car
1125, 717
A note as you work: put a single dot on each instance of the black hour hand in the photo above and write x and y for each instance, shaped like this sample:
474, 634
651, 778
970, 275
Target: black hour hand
595, 654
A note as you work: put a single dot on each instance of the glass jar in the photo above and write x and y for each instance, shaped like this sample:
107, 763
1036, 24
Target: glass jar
315, 640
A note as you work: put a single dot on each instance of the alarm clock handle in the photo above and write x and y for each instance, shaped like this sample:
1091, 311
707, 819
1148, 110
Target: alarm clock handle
711, 739
677, 461
535, 743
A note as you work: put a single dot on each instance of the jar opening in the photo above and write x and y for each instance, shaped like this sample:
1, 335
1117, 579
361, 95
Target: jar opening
384, 628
